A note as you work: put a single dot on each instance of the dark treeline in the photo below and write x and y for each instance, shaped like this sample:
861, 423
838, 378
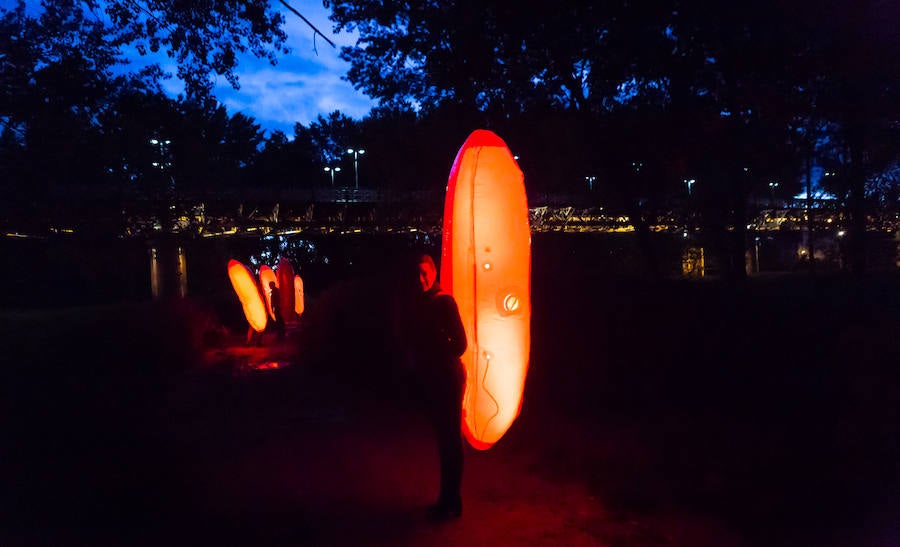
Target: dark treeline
642, 96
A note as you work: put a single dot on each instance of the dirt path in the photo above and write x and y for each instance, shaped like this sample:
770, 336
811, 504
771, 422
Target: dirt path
302, 466
127, 441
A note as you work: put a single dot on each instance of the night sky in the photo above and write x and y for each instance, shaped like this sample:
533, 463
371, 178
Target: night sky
301, 86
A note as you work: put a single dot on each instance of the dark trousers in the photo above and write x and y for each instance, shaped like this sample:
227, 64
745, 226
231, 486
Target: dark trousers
277, 325
446, 417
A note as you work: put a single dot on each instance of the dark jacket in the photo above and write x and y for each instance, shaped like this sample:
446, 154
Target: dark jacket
438, 338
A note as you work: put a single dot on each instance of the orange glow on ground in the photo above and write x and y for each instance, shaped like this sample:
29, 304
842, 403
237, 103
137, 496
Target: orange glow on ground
486, 266
248, 292
266, 275
268, 365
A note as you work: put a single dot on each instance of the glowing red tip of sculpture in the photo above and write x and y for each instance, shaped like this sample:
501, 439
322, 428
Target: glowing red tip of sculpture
483, 137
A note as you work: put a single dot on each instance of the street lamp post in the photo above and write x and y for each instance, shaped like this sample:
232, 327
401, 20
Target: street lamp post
590, 180
687, 220
332, 170
772, 186
167, 197
163, 164
356, 154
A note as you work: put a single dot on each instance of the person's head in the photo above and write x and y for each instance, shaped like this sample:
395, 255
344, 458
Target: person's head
272, 285
427, 272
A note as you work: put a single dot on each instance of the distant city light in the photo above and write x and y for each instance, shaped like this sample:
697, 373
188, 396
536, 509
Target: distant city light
689, 183
817, 194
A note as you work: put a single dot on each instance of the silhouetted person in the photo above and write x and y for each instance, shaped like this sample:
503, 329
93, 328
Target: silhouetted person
437, 341
275, 305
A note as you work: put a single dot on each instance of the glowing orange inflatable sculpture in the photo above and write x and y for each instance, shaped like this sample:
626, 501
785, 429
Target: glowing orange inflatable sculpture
266, 275
248, 292
298, 297
285, 281
486, 266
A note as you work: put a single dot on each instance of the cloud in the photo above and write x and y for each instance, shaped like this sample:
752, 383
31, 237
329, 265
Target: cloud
278, 97
304, 84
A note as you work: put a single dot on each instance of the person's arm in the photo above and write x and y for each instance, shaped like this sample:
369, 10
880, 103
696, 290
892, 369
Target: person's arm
452, 326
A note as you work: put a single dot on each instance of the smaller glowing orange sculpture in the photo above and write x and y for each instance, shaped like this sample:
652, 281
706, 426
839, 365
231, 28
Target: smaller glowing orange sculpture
298, 296
248, 292
266, 276
285, 279
486, 266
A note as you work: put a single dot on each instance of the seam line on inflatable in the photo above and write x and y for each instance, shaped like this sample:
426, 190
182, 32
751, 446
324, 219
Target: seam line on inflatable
478, 352
484, 384
473, 251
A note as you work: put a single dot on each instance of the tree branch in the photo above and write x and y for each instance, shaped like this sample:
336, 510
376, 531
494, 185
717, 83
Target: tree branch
150, 14
312, 26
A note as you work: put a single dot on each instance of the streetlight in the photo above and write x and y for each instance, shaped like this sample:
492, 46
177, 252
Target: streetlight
163, 152
772, 186
356, 155
689, 183
590, 180
332, 170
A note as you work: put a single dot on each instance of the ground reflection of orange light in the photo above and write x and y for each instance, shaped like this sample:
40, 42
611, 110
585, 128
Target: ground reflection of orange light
486, 266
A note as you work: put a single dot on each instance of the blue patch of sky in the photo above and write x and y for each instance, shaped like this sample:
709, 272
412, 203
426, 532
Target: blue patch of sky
305, 83
631, 88
627, 90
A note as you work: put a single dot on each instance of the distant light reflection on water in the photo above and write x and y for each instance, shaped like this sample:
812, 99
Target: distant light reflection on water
168, 272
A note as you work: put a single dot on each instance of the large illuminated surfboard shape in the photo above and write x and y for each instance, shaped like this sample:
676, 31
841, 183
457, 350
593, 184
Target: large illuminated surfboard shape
486, 266
285, 281
266, 275
299, 304
245, 286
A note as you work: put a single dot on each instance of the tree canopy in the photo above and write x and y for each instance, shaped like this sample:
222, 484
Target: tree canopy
638, 95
